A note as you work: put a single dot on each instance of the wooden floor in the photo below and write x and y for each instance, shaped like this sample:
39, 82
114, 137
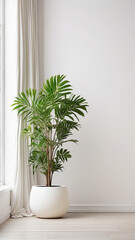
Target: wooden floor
94, 226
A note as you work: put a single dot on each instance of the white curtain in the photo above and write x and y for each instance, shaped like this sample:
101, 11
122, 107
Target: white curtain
26, 54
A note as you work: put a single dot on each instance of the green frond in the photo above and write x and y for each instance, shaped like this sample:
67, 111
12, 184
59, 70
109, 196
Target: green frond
57, 85
51, 116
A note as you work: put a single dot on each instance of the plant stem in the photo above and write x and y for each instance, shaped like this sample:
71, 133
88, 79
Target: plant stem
48, 161
48, 175
46, 180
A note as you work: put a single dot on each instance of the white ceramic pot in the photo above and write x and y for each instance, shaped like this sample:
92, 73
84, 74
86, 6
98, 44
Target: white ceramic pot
49, 202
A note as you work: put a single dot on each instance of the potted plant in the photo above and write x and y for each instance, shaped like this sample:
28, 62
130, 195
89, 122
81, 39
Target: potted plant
51, 115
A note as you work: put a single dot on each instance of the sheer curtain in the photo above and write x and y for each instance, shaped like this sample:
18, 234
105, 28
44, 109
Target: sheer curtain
25, 75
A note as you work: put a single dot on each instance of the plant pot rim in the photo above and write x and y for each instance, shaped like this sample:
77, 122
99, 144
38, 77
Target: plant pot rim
53, 186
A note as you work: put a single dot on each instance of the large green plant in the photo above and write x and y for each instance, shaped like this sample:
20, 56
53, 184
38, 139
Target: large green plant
51, 115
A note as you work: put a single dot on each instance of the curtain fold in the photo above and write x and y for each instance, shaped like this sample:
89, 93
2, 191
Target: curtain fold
27, 77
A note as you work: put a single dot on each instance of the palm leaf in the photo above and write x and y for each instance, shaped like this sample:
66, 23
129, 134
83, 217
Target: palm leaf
52, 114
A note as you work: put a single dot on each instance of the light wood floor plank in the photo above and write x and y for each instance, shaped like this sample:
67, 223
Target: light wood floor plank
93, 226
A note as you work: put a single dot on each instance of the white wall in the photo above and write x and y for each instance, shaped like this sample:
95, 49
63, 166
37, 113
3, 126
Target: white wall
93, 43
5, 206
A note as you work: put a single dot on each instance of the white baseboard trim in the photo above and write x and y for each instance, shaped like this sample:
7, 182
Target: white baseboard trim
101, 208
5, 214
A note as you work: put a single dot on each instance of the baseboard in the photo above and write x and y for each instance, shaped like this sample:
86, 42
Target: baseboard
101, 208
5, 214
